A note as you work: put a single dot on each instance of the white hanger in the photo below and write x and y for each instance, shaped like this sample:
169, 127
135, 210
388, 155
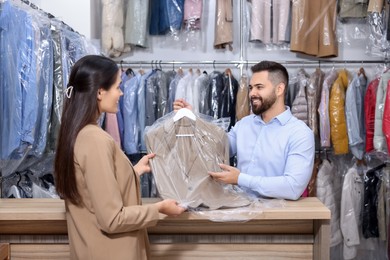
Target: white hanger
14, 192
184, 112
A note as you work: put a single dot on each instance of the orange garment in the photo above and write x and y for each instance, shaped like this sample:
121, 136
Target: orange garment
338, 125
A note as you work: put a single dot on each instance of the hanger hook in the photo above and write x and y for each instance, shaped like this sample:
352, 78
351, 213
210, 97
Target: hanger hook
214, 64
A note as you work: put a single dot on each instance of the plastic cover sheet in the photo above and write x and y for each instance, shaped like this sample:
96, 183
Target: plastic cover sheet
34, 179
314, 96
44, 68
323, 111
136, 26
192, 24
338, 126
371, 198
175, 10
243, 102
187, 147
18, 84
112, 28
351, 30
353, 8
377, 43
224, 25
313, 28
386, 117
379, 139
241, 214
260, 28
354, 113
300, 106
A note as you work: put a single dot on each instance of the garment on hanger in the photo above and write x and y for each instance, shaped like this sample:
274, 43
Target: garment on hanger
192, 14
369, 113
300, 106
313, 24
338, 126
372, 182
353, 9
379, 138
328, 188
229, 97
354, 114
243, 103
186, 150
386, 117
351, 206
323, 108
313, 100
135, 28
223, 37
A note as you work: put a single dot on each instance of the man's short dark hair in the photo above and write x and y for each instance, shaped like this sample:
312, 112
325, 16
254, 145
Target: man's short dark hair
277, 72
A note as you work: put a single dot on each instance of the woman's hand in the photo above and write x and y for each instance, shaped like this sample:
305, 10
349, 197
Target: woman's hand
181, 103
143, 165
169, 207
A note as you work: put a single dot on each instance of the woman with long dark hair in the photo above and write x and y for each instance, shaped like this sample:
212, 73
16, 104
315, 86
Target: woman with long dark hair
99, 184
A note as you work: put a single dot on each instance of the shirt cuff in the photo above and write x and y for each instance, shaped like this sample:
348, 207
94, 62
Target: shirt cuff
244, 180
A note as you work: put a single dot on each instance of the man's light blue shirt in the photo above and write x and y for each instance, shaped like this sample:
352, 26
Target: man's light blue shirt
275, 158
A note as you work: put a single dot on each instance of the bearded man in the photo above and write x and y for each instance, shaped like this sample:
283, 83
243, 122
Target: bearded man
275, 150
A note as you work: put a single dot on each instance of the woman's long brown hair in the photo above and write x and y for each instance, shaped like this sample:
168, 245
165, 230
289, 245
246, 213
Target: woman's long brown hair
88, 75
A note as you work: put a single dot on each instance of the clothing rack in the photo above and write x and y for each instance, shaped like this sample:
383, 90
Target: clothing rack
242, 63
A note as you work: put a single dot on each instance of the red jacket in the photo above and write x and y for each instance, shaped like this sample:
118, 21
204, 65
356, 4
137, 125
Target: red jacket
369, 113
386, 117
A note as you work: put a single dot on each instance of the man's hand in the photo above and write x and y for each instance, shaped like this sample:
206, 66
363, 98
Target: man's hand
143, 165
181, 103
229, 174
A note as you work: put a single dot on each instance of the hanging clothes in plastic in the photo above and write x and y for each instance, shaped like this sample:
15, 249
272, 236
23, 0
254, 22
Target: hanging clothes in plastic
186, 149
36, 53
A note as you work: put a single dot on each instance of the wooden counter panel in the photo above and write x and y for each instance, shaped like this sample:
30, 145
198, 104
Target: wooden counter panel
4, 251
234, 251
231, 239
172, 227
33, 227
40, 251
54, 209
32, 209
180, 251
176, 226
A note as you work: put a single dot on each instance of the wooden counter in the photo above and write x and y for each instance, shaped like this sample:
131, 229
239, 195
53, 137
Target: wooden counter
36, 229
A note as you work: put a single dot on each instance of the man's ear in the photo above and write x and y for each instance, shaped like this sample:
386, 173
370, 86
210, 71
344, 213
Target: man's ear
280, 89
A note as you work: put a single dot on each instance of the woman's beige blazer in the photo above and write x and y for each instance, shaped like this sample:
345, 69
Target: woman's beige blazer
111, 223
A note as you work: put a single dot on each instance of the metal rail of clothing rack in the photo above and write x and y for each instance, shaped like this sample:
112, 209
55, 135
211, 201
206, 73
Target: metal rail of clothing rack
246, 62
241, 64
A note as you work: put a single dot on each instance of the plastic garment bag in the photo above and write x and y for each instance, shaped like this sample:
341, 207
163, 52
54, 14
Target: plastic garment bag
187, 147
224, 24
313, 28
338, 125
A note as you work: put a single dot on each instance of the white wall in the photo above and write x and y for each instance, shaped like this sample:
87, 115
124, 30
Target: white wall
75, 13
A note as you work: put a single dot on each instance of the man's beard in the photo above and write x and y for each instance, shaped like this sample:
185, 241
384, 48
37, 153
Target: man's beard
265, 104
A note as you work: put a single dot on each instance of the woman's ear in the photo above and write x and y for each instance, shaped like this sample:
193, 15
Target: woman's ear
100, 94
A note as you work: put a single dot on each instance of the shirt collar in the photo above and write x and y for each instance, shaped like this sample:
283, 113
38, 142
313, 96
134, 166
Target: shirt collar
282, 118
